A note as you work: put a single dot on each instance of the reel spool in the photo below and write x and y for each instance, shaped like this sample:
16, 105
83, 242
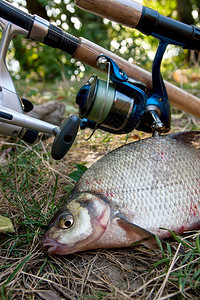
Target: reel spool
122, 104
116, 107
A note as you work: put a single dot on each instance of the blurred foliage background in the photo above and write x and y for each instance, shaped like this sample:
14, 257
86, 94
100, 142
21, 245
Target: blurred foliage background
30, 60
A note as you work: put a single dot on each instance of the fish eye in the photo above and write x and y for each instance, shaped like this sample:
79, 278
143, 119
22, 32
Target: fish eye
66, 221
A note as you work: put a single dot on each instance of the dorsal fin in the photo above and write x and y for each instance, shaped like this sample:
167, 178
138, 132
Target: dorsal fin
186, 136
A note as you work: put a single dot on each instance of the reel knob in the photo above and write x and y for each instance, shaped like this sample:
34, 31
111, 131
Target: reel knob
65, 137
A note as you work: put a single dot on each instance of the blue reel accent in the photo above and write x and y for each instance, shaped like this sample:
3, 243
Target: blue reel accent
150, 111
120, 79
158, 95
157, 98
82, 95
139, 96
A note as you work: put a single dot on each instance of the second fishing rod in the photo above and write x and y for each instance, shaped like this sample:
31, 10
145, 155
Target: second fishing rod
87, 52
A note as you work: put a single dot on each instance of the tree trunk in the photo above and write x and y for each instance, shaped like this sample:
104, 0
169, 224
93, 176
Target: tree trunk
184, 10
34, 7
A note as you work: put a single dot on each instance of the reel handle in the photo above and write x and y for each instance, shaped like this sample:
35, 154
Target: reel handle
65, 137
14, 123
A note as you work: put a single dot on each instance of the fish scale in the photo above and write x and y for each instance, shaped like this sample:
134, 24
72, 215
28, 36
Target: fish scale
131, 194
149, 180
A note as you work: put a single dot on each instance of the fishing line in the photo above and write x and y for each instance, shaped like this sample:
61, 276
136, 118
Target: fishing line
106, 97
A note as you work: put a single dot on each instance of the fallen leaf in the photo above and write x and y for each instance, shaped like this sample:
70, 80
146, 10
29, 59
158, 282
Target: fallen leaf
180, 76
3, 155
52, 112
6, 225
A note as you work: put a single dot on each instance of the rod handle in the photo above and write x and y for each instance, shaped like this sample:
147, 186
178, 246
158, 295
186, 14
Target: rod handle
146, 20
126, 12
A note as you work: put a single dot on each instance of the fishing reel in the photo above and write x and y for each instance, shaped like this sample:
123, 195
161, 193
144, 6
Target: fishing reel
13, 118
122, 104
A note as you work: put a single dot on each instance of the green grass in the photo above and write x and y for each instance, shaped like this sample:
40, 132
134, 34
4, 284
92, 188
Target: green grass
182, 268
33, 186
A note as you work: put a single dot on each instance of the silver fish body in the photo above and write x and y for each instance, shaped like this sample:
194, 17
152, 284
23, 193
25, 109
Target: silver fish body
130, 194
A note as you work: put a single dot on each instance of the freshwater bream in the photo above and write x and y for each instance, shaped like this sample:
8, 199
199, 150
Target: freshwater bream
129, 195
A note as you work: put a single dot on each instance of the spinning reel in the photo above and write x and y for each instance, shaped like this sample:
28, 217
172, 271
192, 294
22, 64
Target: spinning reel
122, 104
117, 105
13, 121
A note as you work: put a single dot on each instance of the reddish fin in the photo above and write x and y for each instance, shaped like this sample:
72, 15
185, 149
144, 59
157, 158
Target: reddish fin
187, 136
138, 234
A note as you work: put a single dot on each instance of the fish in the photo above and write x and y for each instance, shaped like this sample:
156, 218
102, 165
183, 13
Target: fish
131, 195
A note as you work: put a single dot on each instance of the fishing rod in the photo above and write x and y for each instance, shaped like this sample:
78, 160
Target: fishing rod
130, 97
87, 51
13, 118
152, 111
133, 14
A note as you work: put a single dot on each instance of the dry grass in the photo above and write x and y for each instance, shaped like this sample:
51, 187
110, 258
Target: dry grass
32, 188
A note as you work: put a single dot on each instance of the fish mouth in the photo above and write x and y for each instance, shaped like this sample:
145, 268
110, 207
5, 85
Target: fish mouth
54, 247
50, 245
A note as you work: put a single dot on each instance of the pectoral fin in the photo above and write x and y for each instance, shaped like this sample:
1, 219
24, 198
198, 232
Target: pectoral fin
137, 233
